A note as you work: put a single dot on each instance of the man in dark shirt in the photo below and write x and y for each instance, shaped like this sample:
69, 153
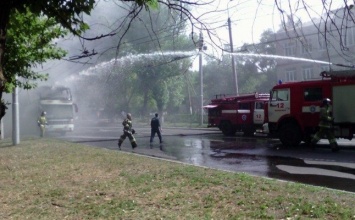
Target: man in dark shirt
155, 128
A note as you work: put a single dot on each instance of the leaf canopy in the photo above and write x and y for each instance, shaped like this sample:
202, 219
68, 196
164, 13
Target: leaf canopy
29, 44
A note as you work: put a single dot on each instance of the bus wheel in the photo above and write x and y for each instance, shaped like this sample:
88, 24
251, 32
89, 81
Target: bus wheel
290, 135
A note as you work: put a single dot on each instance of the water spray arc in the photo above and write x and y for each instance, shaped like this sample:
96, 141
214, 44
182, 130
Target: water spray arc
130, 59
342, 65
290, 58
280, 57
122, 65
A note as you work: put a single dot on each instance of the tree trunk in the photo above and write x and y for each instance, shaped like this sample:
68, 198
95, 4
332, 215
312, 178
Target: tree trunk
145, 103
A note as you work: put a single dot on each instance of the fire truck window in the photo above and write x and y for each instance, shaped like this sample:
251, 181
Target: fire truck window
282, 95
273, 95
313, 94
259, 105
244, 106
214, 112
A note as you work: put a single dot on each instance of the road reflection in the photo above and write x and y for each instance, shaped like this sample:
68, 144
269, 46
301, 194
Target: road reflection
259, 157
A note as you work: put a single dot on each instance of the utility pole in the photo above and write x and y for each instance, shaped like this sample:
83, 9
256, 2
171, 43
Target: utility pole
15, 117
201, 74
2, 136
235, 77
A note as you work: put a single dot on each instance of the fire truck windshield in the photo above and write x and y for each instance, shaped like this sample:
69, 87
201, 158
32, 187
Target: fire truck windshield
280, 95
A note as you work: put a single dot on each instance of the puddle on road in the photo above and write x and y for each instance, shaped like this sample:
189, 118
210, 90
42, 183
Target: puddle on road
331, 176
254, 156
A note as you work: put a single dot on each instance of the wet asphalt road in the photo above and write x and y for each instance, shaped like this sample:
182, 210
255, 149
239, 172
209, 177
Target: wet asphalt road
259, 156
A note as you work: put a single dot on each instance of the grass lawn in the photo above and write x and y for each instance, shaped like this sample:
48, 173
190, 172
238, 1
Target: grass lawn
53, 179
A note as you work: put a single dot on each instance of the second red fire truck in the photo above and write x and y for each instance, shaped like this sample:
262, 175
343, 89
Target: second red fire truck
293, 109
243, 113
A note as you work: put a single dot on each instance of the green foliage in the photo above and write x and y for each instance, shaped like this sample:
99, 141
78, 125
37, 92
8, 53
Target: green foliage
176, 87
148, 83
23, 52
255, 74
29, 44
218, 78
151, 3
160, 93
66, 13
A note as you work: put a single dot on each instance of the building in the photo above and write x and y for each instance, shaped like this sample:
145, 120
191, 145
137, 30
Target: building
323, 42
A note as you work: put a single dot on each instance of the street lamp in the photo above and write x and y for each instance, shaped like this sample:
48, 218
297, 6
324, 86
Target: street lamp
235, 77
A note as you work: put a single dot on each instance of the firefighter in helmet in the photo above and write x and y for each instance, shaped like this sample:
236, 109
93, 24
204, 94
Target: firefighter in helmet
127, 132
326, 126
42, 122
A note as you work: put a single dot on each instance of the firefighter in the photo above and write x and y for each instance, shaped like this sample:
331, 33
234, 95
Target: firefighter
42, 122
127, 132
326, 126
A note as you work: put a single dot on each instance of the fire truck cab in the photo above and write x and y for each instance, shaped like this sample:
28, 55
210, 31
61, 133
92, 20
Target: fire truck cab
243, 113
293, 108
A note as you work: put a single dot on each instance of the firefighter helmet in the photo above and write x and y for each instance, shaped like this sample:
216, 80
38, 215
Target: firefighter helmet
129, 116
326, 101
44, 113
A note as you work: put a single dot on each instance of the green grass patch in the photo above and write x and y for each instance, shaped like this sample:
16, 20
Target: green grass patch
53, 179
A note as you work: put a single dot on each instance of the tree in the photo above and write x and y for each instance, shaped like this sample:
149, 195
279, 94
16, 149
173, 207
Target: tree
147, 54
218, 78
108, 90
68, 13
63, 12
255, 73
26, 51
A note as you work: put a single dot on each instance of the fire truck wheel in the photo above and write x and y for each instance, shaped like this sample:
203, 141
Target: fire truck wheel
227, 129
249, 132
290, 135
307, 139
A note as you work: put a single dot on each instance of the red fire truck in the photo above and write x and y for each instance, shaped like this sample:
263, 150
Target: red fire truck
293, 109
237, 113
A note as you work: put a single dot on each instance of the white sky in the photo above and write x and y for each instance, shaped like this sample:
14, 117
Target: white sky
251, 17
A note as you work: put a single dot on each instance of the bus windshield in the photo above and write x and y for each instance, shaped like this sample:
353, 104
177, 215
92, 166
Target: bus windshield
58, 111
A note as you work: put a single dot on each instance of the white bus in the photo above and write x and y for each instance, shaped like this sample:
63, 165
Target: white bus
58, 104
